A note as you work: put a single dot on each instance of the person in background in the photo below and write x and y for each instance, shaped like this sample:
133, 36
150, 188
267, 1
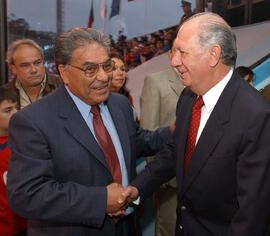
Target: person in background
26, 61
266, 92
246, 73
159, 48
158, 101
10, 223
119, 79
219, 150
73, 150
186, 6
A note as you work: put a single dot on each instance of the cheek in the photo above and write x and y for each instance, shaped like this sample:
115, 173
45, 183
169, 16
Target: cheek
4, 119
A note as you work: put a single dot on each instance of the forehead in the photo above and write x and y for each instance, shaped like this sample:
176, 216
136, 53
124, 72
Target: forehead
117, 61
187, 35
7, 103
93, 52
25, 53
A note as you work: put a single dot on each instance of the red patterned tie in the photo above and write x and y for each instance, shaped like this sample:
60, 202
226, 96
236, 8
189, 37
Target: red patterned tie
193, 130
106, 144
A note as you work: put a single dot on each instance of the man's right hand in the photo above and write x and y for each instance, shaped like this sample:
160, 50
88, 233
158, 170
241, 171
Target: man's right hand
114, 193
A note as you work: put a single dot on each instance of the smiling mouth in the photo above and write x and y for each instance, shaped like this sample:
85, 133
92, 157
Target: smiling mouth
101, 87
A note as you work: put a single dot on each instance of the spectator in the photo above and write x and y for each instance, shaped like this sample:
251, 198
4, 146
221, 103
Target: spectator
246, 73
266, 92
26, 61
159, 48
186, 6
10, 223
160, 34
119, 79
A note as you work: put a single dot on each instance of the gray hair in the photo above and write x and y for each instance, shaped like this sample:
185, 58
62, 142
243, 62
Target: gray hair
17, 43
77, 37
214, 30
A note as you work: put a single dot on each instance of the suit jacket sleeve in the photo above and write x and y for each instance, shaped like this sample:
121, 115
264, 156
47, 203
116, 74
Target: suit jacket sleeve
33, 181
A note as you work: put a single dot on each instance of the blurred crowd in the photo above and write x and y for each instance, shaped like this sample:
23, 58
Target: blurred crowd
135, 51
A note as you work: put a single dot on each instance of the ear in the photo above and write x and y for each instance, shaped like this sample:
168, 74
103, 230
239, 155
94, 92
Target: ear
63, 73
215, 54
12, 69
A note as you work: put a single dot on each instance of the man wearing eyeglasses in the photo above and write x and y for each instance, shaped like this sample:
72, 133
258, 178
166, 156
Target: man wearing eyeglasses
72, 151
26, 62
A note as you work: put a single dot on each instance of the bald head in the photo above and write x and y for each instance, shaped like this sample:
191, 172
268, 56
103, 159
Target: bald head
212, 29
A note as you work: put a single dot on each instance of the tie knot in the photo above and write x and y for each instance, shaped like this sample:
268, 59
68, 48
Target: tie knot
95, 110
199, 103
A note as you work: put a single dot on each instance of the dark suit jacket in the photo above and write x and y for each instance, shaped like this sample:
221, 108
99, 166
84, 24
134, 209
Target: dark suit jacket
57, 174
226, 188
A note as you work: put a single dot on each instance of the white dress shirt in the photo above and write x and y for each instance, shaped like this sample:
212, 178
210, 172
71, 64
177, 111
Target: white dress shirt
210, 99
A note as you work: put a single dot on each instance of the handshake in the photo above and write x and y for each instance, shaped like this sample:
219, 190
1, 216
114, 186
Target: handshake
119, 197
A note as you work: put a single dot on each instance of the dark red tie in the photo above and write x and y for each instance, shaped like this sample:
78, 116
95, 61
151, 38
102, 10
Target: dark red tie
193, 130
106, 144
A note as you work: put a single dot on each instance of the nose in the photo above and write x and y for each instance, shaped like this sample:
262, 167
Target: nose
102, 75
33, 68
119, 72
176, 59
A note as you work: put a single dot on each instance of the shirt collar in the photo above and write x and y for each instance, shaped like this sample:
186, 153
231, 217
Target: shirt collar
211, 97
83, 107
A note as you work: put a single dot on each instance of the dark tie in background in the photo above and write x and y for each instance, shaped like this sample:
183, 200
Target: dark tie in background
193, 130
106, 144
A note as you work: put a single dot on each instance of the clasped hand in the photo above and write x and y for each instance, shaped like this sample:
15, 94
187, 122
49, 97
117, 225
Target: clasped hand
119, 197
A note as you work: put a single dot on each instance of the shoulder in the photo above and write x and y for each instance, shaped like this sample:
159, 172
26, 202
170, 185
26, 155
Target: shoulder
53, 81
249, 100
158, 75
118, 99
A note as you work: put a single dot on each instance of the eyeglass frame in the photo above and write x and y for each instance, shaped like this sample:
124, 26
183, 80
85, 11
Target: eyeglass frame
94, 64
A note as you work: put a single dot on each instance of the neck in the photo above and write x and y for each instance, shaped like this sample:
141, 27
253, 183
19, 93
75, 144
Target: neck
32, 92
215, 77
114, 89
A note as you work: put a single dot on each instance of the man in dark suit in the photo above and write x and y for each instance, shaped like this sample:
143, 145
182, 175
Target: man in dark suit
72, 151
224, 179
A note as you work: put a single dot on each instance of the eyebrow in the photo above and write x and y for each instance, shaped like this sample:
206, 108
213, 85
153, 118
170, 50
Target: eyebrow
29, 62
87, 63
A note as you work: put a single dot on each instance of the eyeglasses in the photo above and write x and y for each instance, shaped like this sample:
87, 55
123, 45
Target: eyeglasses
93, 68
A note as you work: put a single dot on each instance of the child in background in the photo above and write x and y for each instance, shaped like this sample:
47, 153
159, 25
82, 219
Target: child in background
10, 223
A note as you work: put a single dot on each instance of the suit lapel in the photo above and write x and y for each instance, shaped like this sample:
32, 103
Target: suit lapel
175, 82
212, 132
119, 123
77, 127
184, 110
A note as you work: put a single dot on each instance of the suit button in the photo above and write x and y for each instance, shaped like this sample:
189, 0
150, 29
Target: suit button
181, 227
183, 208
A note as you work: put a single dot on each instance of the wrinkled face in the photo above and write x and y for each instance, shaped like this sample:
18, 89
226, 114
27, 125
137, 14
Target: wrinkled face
189, 59
28, 66
7, 109
90, 89
118, 75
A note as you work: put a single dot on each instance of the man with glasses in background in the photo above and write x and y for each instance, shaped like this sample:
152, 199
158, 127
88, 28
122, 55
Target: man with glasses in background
26, 61
72, 151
